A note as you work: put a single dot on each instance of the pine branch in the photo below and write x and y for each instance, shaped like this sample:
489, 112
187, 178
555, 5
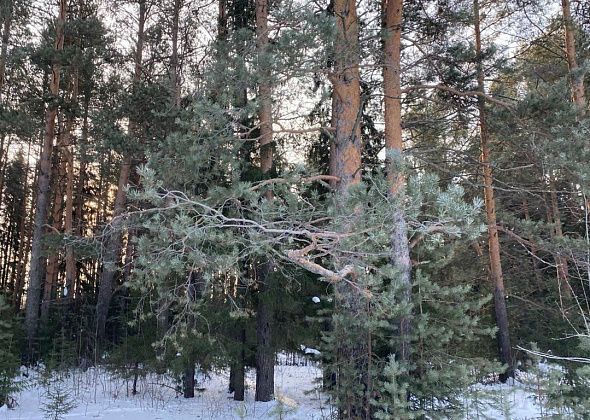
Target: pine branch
456, 92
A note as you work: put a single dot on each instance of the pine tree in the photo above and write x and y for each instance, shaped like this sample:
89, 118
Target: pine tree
37, 259
9, 362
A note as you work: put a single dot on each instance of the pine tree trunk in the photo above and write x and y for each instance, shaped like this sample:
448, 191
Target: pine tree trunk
222, 20
576, 77
238, 370
533, 250
69, 224
3, 163
174, 62
113, 243
265, 358
112, 251
7, 239
501, 314
23, 243
346, 103
352, 360
69, 214
51, 272
400, 251
25, 238
37, 264
189, 381
75, 291
195, 290
6, 27
6, 19
565, 290
579, 97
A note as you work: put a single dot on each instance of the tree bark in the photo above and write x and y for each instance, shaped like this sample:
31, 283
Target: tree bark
533, 248
400, 250
238, 370
353, 359
188, 382
23, 241
69, 209
113, 242
174, 61
112, 251
346, 103
74, 290
37, 259
51, 272
6, 27
563, 284
501, 314
265, 358
576, 78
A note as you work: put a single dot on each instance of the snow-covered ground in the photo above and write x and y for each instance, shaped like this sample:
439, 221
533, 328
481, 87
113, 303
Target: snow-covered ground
98, 394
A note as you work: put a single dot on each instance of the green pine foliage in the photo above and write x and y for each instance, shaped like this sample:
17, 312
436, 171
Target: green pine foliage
444, 316
58, 400
9, 360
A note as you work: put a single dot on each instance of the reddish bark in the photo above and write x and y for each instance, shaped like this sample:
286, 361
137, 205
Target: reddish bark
497, 278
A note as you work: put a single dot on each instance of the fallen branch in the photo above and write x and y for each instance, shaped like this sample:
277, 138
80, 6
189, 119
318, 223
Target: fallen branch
306, 180
550, 356
298, 257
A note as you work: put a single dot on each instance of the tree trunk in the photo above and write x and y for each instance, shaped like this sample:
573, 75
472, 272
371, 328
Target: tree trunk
112, 252
352, 360
74, 291
188, 382
52, 271
533, 250
23, 241
6, 26
400, 251
238, 370
222, 20
113, 242
563, 284
3, 164
174, 61
195, 290
265, 358
37, 260
69, 214
501, 314
346, 103
576, 77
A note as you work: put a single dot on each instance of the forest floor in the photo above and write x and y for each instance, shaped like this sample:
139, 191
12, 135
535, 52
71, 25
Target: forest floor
97, 393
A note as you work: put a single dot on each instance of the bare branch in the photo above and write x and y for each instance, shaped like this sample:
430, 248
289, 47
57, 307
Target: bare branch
459, 93
304, 180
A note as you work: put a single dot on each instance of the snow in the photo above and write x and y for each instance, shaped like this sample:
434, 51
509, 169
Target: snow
520, 399
309, 350
101, 395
